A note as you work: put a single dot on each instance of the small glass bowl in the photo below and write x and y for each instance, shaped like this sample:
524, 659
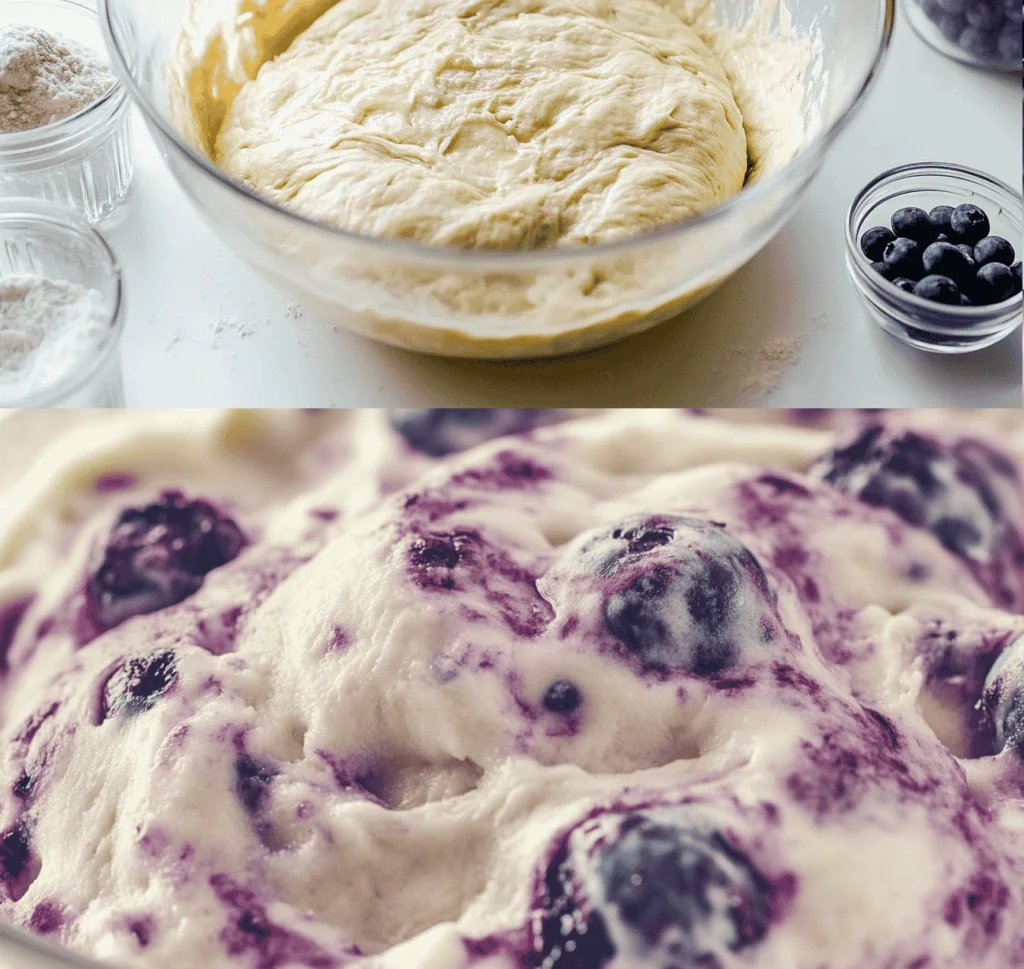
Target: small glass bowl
983, 33
918, 322
85, 161
40, 238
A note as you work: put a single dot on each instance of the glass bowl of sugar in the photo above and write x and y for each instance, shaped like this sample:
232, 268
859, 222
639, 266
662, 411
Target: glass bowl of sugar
61, 309
65, 127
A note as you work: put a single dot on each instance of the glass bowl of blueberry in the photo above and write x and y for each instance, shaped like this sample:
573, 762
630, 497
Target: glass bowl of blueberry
932, 250
985, 33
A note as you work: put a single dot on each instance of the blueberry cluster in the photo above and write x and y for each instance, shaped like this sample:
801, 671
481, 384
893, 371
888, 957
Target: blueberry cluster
985, 29
945, 256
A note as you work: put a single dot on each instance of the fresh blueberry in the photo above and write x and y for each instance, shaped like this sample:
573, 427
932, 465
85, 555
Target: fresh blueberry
907, 285
939, 218
913, 223
18, 864
983, 14
1011, 44
1015, 269
1003, 697
1013, 11
882, 269
563, 696
682, 890
685, 594
903, 258
979, 43
927, 485
938, 289
994, 249
951, 27
157, 556
252, 782
137, 684
444, 431
874, 241
944, 259
993, 284
970, 224
954, 7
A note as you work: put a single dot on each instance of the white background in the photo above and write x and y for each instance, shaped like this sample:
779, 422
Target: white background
204, 329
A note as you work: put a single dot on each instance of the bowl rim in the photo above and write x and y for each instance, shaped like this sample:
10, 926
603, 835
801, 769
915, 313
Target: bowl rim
817, 144
964, 319
43, 211
70, 125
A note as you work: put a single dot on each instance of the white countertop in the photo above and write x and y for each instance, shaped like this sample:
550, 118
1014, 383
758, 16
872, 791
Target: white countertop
205, 330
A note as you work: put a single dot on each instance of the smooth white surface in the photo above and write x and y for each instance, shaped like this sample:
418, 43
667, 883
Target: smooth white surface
204, 329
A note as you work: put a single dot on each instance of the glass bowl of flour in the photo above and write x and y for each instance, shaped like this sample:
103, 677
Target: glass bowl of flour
65, 126
508, 180
61, 309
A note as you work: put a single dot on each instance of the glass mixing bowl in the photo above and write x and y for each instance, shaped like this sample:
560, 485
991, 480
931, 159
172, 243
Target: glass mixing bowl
500, 304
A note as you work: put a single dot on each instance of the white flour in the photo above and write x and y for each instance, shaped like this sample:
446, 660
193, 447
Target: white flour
45, 77
46, 326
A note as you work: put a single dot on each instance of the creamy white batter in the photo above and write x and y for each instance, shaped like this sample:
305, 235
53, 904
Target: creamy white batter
339, 750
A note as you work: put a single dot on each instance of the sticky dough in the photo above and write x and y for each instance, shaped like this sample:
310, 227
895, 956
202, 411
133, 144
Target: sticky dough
508, 124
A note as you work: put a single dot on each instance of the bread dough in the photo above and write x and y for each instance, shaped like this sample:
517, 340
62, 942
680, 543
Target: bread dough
508, 124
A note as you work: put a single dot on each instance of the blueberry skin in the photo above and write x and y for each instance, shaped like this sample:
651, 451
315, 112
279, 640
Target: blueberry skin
137, 684
993, 284
563, 696
945, 259
951, 27
954, 7
938, 289
665, 877
939, 218
1002, 697
1016, 270
927, 485
882, 269
983, 14
157, 556
903, 258
970, 224
979, 43
913, 223
874, 241
907, 285
994, 249
1013, 11
1011, 43
443, 431
684, 588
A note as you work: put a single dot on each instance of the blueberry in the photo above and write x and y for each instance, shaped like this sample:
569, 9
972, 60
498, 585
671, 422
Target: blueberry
993, 284
913, 223
563, 696
938, 289
951, 27
994, 249
966, 300
157, 556
903, 258
18, 864
954, 7
927, 485
1013, 11
252, 782
685, 594
1010, 44
970, 224
979, 43
874, 241
1015, 269
1003, 697
932, 8
681, 889
983, 15
882, 269
442, 431
137, 684
944, 259
907, 285
939, 218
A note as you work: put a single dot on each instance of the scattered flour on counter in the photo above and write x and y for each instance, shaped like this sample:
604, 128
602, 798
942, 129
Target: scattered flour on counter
45, 77
45, 325
769, 366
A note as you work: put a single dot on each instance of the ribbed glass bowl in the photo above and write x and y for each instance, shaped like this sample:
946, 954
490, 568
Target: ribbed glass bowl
86, 161
418, 296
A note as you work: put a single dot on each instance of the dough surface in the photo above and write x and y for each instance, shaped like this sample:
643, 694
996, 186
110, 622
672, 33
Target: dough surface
506, 124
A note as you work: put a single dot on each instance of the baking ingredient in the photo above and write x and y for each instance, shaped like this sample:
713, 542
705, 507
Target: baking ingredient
913, 223
993, 283
46, 326
504, 126
938, 289
969, 223
945, 259
988, 30
994, 249
46, 77
636, 689
874, 241
902, 257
